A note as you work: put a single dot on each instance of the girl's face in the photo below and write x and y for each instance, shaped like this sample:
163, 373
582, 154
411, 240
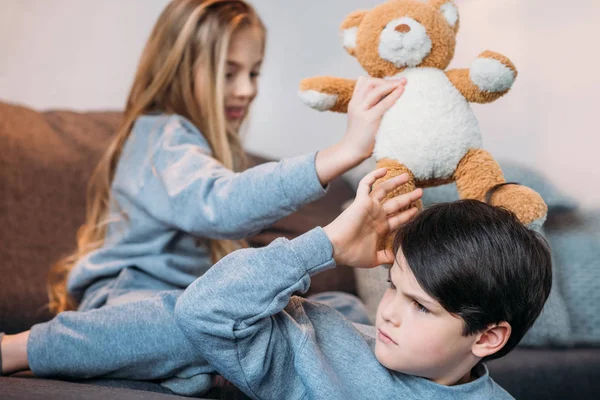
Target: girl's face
244, 60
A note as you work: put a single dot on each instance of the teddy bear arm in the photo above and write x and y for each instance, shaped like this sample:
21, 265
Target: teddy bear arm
461, 80
490, 77
326, 93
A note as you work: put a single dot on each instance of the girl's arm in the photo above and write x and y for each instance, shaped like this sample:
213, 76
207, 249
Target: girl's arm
193, 192
234, 313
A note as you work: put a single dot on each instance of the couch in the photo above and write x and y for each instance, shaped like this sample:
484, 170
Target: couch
45, 161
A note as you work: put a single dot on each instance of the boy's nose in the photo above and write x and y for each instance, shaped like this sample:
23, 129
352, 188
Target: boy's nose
403, 28
391, 315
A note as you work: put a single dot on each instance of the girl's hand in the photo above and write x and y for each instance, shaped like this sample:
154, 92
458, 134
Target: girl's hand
371, 99
354, 233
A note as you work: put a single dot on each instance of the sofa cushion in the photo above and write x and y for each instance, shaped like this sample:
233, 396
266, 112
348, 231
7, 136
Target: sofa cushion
575, 240
549, 373
45, 163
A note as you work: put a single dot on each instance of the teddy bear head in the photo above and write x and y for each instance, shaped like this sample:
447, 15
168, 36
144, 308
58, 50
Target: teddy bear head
402, 33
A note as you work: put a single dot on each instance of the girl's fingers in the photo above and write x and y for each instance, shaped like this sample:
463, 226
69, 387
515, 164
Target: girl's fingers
360, 87
387, 102
401, 218
388, 186
397, 203
379, 92
364, 187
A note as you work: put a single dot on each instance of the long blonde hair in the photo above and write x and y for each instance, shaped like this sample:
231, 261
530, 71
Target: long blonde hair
189, 36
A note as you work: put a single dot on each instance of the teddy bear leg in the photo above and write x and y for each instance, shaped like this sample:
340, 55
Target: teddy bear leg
394, 169
478, 176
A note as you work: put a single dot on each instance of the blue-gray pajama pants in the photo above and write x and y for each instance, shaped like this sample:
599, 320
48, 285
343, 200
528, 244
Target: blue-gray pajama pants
125, 329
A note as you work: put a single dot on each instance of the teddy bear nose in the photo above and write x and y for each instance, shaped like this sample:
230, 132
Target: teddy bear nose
403, 28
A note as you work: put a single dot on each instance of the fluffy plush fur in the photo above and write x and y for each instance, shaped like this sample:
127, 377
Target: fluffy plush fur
431, 132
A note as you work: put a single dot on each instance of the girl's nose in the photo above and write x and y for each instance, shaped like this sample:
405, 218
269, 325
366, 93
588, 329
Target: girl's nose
244, 88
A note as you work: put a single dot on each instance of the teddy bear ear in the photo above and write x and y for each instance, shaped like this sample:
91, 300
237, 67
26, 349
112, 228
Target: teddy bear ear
349, 30
448, 10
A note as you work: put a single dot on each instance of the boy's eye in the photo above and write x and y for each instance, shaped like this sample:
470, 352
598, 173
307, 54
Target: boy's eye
420, 307
391, 284
229, 75
254, 75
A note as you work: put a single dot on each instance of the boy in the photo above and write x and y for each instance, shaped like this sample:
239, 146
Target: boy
467, 283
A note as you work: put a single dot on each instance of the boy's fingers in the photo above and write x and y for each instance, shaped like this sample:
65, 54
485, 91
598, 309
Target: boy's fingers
391, 99
385, 257
364, 186
389, 185
402, 218
397, 203
379, 92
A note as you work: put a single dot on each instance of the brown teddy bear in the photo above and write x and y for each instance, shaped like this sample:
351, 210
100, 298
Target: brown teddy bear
431, 132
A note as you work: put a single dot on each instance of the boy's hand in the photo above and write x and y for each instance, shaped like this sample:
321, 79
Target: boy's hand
355, 232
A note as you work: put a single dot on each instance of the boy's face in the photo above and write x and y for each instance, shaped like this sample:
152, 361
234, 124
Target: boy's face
416, 335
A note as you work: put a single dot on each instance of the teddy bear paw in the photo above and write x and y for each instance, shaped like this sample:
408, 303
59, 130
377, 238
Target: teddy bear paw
318, 101
491, 75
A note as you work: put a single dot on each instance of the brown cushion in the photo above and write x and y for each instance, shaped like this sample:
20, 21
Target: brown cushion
46, 160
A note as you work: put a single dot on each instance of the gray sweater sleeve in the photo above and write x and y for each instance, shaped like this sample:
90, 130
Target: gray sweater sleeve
191, 191
234, 313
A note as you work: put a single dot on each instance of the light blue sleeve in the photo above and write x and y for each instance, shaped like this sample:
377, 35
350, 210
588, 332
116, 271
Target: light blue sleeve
191, 191
234, 313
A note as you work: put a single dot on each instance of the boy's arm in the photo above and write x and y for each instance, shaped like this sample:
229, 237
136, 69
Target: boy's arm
233, 313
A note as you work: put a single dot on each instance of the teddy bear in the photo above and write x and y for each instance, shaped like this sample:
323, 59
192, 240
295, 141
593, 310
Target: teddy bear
431, 132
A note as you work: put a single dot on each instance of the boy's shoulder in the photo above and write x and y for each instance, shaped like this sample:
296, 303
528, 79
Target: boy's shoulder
483, 387
499, 392
332, 343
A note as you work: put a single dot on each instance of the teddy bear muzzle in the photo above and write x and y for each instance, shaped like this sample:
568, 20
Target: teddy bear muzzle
404, 42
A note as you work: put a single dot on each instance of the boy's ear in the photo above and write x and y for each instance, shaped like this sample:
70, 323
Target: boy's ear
349, 30
492, 340
448, 10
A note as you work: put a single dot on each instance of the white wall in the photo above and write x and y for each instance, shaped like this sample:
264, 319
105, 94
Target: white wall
81, 54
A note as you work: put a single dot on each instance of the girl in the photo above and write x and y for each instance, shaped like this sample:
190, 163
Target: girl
167, 199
